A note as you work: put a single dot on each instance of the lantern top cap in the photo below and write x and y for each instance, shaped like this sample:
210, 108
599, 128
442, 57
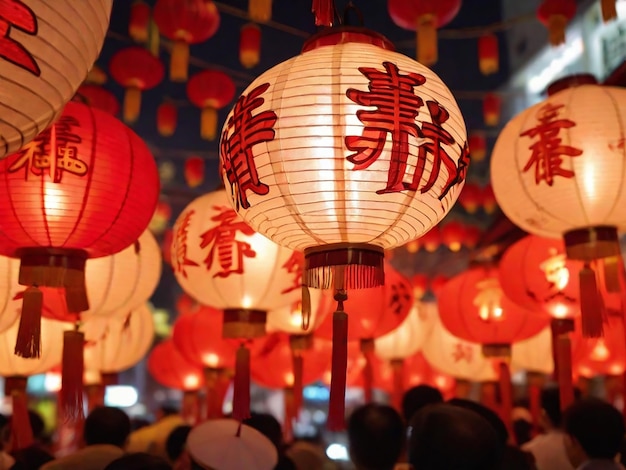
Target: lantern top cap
571, 81
347, 34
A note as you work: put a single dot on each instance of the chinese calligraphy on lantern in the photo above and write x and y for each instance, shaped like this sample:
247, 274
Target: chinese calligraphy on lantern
548, 150
223, 244
242, 132
294, 266
52, 150
400, 297
462, 352
179, 248
488, 299
16, 14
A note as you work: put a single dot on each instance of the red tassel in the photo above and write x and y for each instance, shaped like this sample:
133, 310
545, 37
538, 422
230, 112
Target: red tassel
72, 376
368, 378
290, 414
612, 271
28, 342
336, 404
190, 407
397, 366
298, 386
506, 395
488, 396
21, 431
534, 395
241, 392
590, 303
95, 396
564, 359
324, 11
624, 394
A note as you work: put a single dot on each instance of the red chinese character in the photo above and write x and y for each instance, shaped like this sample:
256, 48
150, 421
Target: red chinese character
548, 150
179, 248
15, 14
461, 171
294, 265
230, 251
246, 130
462, 352
399, 298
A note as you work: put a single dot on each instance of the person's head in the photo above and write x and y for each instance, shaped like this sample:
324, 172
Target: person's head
514, 458
37, 425
376, 437
269, 426
30, 458
551, 407
487, 413
175, 444
139, 461
106, 425
595, 430
445, 436
418, 397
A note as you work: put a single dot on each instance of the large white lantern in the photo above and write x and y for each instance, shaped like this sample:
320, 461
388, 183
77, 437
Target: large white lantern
46, 51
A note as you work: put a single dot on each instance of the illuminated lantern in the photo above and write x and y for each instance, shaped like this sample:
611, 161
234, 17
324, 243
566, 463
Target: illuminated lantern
289, 318
477, 146
488, 54
453, 235
488, 199
194, 171
167, 117
601, 356
98, 97
424, 17
161, 218
10, 293
472, 236
250, 45
609, 10
137, 70
210, 90
431, 240
40, 65
185, 22
555, 15
260, 10
437, 283
579, 178
139, 22
491, 109
420, 285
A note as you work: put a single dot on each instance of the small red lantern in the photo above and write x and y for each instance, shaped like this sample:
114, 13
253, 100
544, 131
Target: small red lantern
471, 197
556, 14
98, 97
139, 22
420, 285
489, 200
472, 236
210, 90
478, 146
161, 217
250, 45
488, 54
185, 22
453, 235
431, 240
137, 70
601, 356
491, 109
194, 171
167, 116
437, 283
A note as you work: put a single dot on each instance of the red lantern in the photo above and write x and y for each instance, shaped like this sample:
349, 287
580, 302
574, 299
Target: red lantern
136, 70
491, 109
424, 17
210, 90
471, 197
167, 116
249, 45
161, 218
601, 356
478, 146
488, 54
556, 14
185, 22
431, 240
194, 171
420, 285
139, 22
489, 200
98, 97
453, 235
472, 236
437, 283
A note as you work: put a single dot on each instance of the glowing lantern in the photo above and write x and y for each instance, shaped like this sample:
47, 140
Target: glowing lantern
161, 218
41, 66
478, 146
250, 45
424, 17
210, 90
169, 367
260, 10
488, 199
185, 22
98, 97
137, 70
472, 236
488, 54
431, 240
290, 319
609, 10
437, 283
10, 293
139, 22
491, 109
555, 14
453, 235
420, 285
167, 116
194, 171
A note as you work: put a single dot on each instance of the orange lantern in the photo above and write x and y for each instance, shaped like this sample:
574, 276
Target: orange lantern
453, 235
167, 117
472, 236
260, 10
420, 285
210, 90
137, 70
98, 97
488, 54
185, 22
249, 45
491, 109
161, 218
40, 65
478, 146
424, 17
194, 171
488, 199
556, 14
139, 22
431, 240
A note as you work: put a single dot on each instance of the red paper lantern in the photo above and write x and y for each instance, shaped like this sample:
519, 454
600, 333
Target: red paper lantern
137, 70
210, 90
424, 17
556, 14
489, 199
601, 356
167, 116
491, 109
453, 235
98, 97
185, 22
139, 22
437, 283
478, 146
471, 197
160, 218
431, 240
194, 171
249, 45
420, 285
472, 236
488, 54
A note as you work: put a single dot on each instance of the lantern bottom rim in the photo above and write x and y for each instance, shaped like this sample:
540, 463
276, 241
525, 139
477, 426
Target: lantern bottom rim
301, 342
502, 350
589, 243
15, 384
243, 323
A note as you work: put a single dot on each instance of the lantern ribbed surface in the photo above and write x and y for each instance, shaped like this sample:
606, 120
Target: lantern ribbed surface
407, 339
46, 50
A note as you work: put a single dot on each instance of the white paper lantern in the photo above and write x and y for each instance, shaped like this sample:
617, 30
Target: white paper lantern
534, 354
46, 51
288, 319
10, 307
407, 339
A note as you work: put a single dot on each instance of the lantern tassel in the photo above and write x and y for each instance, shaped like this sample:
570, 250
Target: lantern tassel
21, 432
179, 62
612, 267
241, 391
506, 395
260, 10
609, 10
367, 349
336, 403
298, 385
290, 414
132, 105
211, 379
397, 366
556, 29
208, 123
154, 39
306, 308
590, 303
534, 395
72, 375
426, 37
95, 396
324, 11
190, 407
28, 342
564, 378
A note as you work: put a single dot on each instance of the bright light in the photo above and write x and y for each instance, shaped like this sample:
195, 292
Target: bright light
191, 382
121, 396
570, 53
211, 360
52, 382
337, 452
560, 310
246, 302
600, 353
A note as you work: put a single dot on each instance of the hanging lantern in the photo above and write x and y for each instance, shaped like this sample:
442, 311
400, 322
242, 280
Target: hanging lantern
488, 199
420, 285
453, 235
290, 318
167, 117
139, 22
577, 178
437, 283
478, 146
40, 65
11, 293
555, 15
488, 54
491, 109
472, 236
210, 90
250, 45
161, 218
609, 10
98, 97
424, 17
431, 240
137, 70
194, 171
185, 22
260, 11
602, 356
